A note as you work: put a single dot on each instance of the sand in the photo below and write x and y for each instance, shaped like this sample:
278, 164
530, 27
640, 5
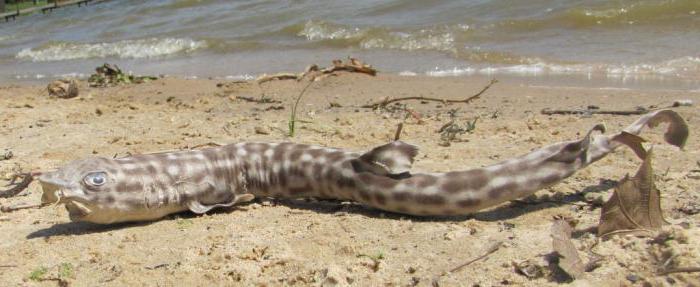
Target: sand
307, 242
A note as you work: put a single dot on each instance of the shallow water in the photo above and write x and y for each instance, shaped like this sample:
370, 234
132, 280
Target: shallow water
596, 42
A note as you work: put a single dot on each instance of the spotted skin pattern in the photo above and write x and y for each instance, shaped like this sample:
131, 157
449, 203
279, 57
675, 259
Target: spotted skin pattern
150, 186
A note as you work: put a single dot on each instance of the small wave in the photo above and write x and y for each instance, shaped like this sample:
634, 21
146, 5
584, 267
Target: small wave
140, 48
378, 38
320, 30
685, 67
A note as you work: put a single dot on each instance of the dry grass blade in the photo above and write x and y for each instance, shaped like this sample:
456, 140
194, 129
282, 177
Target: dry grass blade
569, 259
635, 206
387, 101
491, 249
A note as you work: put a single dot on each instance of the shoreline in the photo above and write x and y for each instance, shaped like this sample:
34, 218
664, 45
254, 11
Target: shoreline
275, 241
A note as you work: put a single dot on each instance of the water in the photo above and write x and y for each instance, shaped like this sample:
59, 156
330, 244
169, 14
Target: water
621, 43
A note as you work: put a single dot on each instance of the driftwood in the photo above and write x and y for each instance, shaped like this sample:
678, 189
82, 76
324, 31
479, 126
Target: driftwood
352, 65
387, 101
17, 187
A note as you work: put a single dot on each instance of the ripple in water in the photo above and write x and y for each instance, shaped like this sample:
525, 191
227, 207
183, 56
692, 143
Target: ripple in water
127, 49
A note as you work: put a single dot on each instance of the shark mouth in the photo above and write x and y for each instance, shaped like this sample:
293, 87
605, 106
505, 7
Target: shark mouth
77, 210
53, 194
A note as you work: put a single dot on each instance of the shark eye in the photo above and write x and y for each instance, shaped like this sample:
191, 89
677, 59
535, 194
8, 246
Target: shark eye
95, 178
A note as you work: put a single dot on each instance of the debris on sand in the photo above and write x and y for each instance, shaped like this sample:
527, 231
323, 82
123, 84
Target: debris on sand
63, 88
569, 259
315, 73
384, 102
109, 75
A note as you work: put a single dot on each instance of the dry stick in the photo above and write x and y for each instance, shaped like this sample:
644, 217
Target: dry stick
8, 209
15, 190
259, 101
680, 270
397, 135
594, 112
8, 266
493, 248
466, 101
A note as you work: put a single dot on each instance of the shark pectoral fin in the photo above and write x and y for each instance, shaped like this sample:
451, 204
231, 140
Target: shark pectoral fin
199, 208
394, 158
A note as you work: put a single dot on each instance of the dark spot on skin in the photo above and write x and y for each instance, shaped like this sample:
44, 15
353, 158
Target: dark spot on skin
296, 155
335, 156
109, 199
278, 156
551, 179
422, 181
256, 147
318, 172
346, 182
466, 180
380, 198
429, 199
471, 202
282, 178
219, 173
400, 196
503, 190
316, 153
364, 195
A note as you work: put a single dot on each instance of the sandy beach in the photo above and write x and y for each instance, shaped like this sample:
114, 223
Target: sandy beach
277, 242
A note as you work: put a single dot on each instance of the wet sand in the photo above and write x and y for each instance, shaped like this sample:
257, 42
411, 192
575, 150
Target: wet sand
307, 242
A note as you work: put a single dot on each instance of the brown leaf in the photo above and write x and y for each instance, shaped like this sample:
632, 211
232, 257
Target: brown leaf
569, 260
635, 206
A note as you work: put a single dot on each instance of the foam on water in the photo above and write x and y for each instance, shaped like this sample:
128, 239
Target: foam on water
134, 49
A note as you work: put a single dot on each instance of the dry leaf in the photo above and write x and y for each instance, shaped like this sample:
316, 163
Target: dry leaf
635, 206
569, 260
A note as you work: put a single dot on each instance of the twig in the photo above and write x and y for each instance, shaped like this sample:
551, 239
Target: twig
279, 76
8, 209
259, 101
397, 135
493, 248
387, 101
293, 116
639, 111
8, 266
19, 187
680, 270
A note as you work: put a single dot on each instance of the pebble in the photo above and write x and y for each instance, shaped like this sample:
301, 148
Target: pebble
261, 130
